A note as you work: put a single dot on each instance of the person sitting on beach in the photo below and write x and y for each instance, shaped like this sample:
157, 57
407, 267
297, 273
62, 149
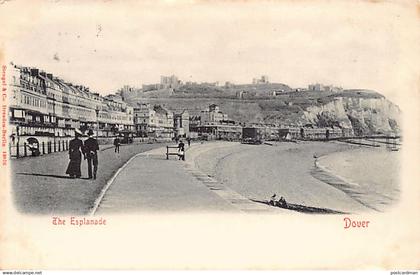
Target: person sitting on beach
282, 202
273, 199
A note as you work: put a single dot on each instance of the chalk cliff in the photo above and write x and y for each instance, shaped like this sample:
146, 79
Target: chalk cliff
364, 115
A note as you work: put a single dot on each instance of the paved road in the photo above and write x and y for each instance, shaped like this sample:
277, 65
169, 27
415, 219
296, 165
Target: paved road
150, 183
40, 185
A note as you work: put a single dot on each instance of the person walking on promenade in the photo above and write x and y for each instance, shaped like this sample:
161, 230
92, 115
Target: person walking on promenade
181, 150
189, 141
117, 143
91, 154
75, 155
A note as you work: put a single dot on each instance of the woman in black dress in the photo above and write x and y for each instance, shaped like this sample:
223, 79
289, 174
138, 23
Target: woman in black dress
75, 155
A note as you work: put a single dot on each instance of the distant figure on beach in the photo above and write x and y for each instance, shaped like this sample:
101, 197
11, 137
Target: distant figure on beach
189, 141
75, 155
117, 143
91, 154
181, 150
273, 199
282, 202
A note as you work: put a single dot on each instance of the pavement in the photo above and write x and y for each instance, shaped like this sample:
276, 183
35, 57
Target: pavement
40, 185
152, 184
138, 179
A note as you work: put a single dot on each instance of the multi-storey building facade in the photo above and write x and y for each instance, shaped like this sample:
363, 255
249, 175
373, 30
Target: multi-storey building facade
225, 130
212, 114
182, 124
156, 121
214, 124
44, 105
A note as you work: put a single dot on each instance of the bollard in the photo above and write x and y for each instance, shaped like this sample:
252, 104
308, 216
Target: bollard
43, 148
17, 150
25, 153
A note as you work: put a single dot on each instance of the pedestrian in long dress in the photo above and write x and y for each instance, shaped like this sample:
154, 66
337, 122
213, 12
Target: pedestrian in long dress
75, 155
91, 148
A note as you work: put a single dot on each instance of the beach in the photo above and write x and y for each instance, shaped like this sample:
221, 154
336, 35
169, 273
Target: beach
331, 175
372, 174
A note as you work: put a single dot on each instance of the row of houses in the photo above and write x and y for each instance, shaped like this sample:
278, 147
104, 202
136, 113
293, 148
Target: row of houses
42, 104
214, 124
159, 122
45, 105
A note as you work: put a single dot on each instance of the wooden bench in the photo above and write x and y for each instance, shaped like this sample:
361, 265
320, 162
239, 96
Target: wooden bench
172, 153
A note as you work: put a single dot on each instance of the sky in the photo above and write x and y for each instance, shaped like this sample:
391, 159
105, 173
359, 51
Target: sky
107, 44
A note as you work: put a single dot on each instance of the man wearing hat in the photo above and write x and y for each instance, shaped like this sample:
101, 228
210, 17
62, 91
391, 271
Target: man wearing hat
117, 143
91, 148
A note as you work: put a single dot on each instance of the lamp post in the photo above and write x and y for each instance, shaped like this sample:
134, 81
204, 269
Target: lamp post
17, 144
97, 121
54, 116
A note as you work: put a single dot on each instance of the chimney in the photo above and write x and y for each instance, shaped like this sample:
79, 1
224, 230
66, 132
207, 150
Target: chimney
50, 76
34, 72
43, 73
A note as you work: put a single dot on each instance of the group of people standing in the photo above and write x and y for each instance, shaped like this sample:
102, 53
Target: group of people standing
88, 149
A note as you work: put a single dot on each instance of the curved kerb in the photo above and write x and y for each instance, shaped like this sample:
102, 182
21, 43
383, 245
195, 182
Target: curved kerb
108, 184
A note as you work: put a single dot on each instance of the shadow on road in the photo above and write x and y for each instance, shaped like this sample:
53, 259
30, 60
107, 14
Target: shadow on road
49, 176
304, 208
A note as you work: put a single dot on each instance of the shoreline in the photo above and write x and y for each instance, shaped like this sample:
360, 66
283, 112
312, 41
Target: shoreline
331, 172
377, 190
303, 185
